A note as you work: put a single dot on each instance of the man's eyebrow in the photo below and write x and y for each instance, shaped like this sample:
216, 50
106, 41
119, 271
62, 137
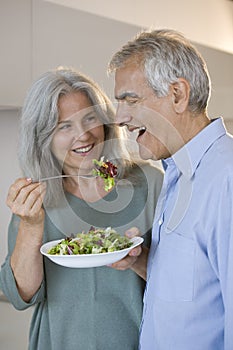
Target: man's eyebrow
126, 94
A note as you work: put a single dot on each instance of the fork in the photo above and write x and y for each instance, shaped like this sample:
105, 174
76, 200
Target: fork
43, 179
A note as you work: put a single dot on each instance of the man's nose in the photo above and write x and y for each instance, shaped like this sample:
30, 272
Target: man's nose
122, 115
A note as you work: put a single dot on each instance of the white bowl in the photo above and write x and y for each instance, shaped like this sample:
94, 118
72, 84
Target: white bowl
88, 260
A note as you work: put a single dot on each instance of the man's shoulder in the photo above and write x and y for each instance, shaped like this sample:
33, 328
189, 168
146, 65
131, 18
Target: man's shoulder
224, 148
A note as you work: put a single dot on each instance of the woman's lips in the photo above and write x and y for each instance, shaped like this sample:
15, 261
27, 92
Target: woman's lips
83, 150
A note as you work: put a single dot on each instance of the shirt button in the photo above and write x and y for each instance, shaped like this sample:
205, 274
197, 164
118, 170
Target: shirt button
160, 221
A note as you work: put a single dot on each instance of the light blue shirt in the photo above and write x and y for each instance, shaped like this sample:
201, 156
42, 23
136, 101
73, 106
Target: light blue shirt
188, 303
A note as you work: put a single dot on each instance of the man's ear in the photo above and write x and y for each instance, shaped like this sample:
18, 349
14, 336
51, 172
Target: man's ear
180, 93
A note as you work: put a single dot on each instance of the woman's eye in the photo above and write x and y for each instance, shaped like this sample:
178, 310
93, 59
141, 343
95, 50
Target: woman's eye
64, 126
90, 118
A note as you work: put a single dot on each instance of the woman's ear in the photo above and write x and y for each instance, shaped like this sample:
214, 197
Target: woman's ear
180, 93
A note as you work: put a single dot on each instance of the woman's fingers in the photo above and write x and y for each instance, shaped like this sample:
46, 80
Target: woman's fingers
39, 197
132, 232
15, 189
25, 198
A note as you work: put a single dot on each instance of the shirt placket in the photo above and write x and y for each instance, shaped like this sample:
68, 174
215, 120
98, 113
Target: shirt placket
170, 178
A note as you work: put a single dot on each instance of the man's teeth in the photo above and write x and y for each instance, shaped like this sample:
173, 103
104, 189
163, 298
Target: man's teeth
139, 129
142, 128
83, 149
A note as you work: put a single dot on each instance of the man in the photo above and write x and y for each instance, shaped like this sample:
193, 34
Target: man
162, 87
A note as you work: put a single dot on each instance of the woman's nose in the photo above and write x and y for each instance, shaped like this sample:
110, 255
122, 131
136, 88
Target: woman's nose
80, 132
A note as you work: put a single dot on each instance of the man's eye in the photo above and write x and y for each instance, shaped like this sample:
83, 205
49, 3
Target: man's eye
131, 101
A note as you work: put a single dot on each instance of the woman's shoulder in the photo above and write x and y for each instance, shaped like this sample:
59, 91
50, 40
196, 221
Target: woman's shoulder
151, 166
148, 168
146, 172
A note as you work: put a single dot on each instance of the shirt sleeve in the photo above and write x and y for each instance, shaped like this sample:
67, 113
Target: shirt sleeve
7, 280
220, 250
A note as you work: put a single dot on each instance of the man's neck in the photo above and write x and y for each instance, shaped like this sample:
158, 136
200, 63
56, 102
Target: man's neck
191, 125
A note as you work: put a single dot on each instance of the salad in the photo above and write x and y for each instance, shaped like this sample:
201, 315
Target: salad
106, 170
94, 242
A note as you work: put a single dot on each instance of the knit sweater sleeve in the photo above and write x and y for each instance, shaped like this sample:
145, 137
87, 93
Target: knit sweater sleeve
7, 281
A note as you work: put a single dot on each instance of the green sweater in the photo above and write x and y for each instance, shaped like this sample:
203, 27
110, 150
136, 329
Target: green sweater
90, 308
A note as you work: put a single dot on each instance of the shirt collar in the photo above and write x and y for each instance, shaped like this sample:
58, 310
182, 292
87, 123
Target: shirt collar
190, 155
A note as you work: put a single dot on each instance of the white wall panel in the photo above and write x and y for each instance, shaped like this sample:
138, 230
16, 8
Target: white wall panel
9, 170
208, 22
15, 46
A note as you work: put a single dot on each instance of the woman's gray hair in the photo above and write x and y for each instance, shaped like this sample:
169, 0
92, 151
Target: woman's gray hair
40, 118
166, 55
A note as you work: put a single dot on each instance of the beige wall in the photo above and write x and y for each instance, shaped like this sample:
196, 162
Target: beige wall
43, 35
229, 126
208, 22
9, 169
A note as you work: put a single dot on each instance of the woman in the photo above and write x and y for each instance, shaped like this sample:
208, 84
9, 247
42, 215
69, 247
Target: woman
67, 121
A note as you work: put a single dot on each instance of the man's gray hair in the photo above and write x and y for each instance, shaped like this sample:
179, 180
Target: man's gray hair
165, 56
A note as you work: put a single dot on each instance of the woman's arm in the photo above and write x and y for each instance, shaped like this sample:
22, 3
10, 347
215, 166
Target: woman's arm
25, 200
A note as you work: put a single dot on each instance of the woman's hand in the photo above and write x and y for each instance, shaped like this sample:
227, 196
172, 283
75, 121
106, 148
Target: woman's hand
136, 260
25, 200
